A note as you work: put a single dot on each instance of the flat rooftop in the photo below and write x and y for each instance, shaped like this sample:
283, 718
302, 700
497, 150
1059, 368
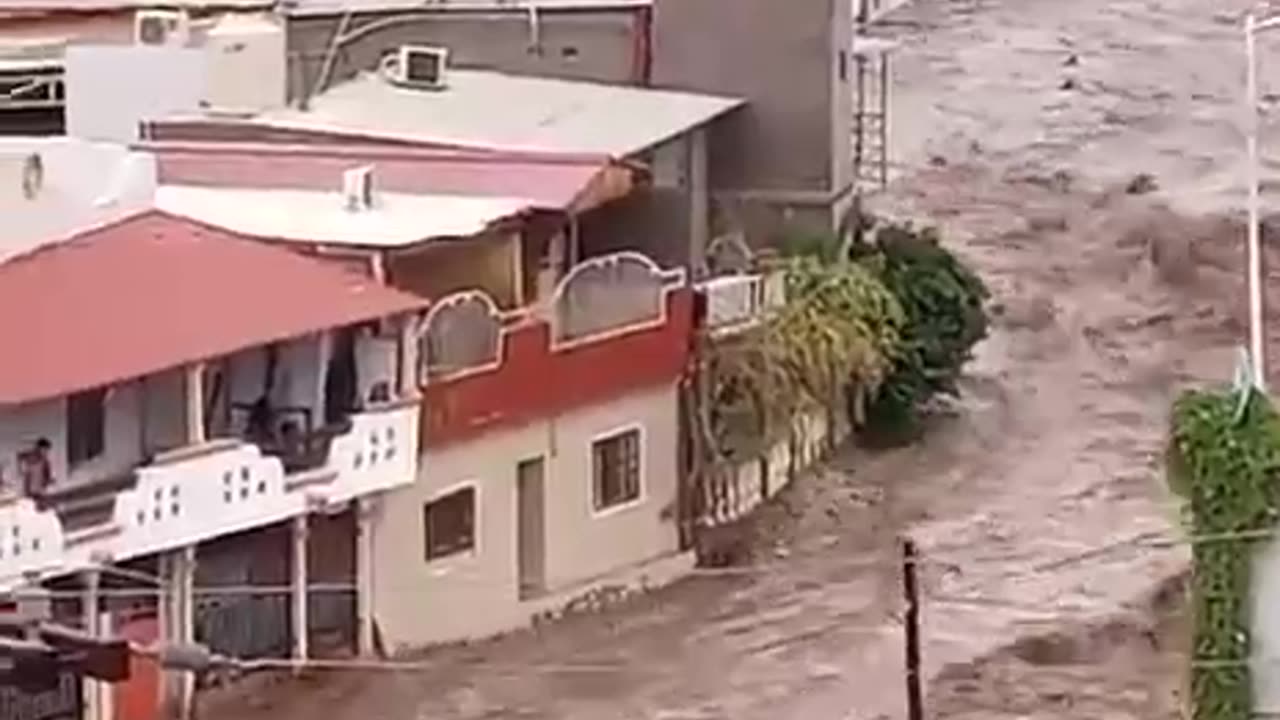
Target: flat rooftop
485, 109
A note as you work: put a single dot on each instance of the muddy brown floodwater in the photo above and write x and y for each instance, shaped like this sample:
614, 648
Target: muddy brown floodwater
1038, 499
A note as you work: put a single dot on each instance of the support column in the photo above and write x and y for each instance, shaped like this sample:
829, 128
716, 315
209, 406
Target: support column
699, 203
365, 508
106, 691
166, 616
194, 392
184, 592
90, 623
409, 360
176, 613
300, 621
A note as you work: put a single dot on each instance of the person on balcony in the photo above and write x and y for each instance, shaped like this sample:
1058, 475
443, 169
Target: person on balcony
35, 469
261, 423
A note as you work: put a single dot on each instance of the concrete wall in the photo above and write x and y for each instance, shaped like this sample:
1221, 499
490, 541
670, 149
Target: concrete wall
476, 594
587, 45
85, 184
111, 89
488, 263
785, 58
22, 426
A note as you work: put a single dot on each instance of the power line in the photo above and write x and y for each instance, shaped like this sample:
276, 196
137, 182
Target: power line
782, 569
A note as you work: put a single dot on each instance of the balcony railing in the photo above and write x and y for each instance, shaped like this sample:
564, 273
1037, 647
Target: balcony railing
199, 493
599, 298
610, 294
739, 302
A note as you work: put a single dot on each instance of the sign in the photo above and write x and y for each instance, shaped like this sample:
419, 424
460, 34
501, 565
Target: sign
65, 702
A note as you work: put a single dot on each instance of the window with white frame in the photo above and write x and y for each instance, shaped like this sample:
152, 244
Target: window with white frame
615, 469
449, 524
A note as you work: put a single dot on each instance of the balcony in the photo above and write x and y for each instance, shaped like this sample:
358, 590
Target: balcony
614, 323
146, 488
736, 303
197, 493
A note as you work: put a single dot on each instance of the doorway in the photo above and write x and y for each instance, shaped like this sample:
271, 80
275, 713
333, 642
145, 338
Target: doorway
531, 526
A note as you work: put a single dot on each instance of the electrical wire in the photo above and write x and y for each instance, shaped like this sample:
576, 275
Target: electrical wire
785, 569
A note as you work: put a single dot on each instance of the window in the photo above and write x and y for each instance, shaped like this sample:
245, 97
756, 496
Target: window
86, 426
615, 466
449, 524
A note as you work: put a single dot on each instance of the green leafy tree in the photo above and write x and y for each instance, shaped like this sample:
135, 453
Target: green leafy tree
840, 325
943, 304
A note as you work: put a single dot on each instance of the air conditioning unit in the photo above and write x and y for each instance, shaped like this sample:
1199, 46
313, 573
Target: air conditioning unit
422, 66
357, 188
161, 27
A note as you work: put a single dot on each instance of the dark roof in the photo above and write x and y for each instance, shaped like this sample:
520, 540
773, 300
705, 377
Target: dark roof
154, 292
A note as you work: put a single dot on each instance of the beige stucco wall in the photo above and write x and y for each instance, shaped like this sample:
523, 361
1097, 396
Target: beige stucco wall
476, 594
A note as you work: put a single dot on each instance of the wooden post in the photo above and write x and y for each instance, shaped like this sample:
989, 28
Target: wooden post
910, 593
364, 576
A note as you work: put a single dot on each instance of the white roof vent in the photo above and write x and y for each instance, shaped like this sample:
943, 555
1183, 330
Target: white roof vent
418, 66
170, 28
357, 188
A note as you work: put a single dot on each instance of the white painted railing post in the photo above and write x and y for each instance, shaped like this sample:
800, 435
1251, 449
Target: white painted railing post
193, 390
299, 589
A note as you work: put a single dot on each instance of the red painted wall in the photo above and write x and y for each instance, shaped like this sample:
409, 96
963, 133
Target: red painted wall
138, 698
533, 382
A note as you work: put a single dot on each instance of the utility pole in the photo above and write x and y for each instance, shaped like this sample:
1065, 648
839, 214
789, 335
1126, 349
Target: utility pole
911, 594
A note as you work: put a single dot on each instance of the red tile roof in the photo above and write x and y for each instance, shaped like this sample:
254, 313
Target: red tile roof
548, 181
153, 292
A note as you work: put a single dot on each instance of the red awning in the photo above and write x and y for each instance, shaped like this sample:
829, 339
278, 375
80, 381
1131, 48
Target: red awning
153, 292
548, 181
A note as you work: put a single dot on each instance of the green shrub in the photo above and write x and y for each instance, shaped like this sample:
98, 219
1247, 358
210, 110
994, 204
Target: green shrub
943, 304
1224, 459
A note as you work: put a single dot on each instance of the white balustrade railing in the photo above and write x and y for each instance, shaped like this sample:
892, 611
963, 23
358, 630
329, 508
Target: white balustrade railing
380, 452
199, 493
183, 501
30, 538
736, 302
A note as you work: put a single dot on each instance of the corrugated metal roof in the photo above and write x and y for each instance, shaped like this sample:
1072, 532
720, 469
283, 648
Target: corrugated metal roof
495, 110
308, 216
329, 7
552, 182
154, 292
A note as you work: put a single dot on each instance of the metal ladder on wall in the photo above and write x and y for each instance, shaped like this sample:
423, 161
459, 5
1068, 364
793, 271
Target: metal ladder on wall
870, 113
